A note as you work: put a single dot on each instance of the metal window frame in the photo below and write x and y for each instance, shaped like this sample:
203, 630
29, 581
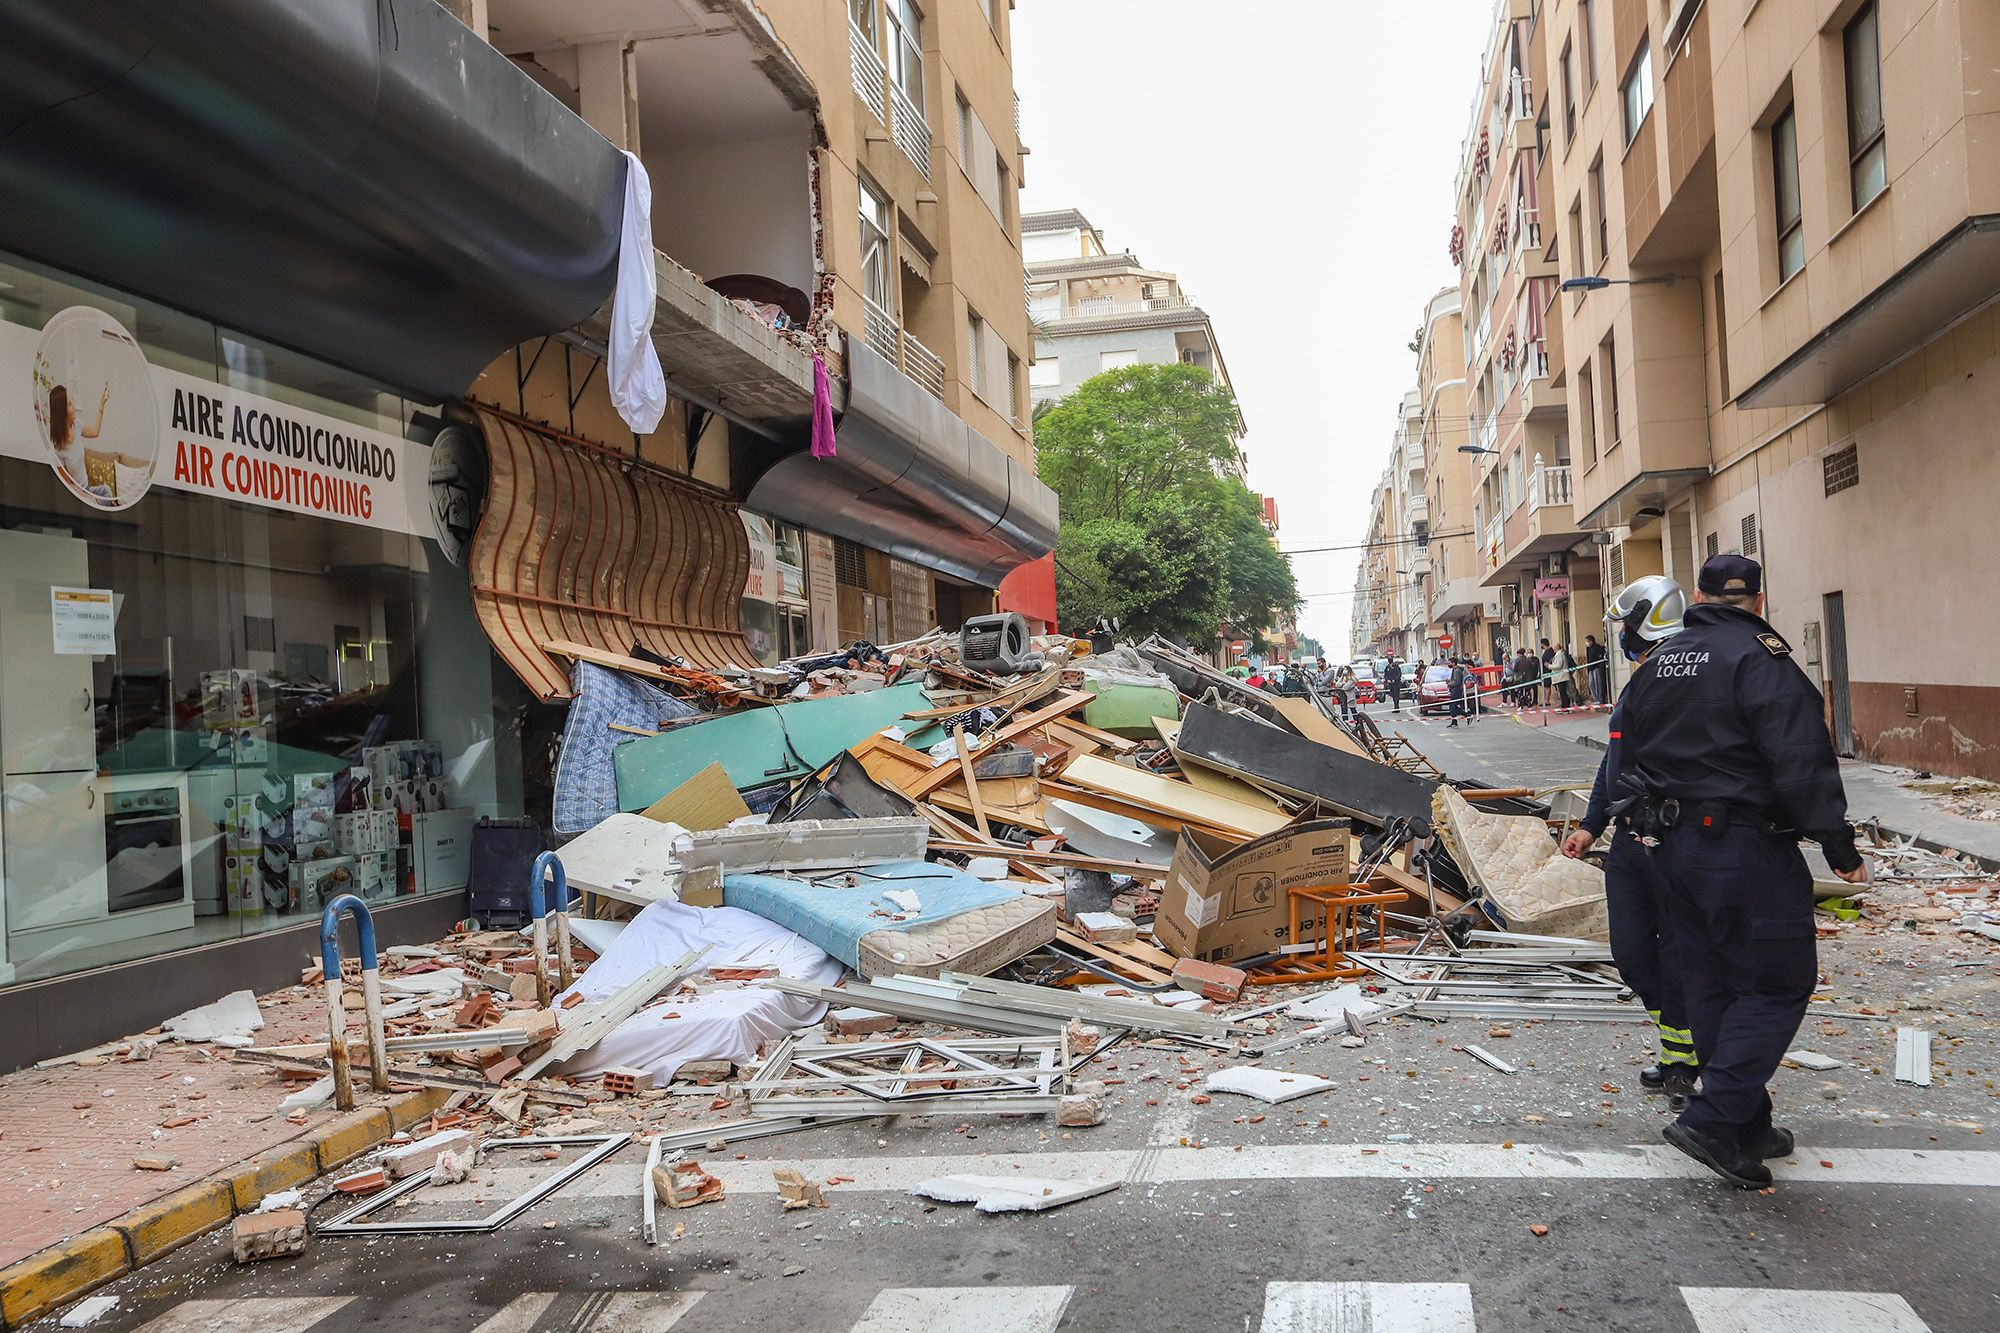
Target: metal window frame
349, 1223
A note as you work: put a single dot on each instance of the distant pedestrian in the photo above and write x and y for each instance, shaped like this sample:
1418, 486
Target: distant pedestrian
1392, 676
1524, 675
1548, 688
1594, 669
1565, 672
1457, 688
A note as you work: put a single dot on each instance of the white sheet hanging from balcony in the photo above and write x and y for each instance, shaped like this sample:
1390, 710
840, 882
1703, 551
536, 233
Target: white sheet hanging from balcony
638, 385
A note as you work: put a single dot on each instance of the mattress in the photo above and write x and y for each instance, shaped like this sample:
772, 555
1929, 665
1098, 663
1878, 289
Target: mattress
909, 916
1512, 859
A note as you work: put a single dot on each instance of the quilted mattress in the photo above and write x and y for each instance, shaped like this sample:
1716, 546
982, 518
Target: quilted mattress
975, 942
1512, 859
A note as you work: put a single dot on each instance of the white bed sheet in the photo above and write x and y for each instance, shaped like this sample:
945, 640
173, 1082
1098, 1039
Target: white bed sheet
727, 1020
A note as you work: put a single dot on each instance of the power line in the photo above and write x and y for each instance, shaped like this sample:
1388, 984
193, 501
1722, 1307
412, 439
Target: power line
1425, 539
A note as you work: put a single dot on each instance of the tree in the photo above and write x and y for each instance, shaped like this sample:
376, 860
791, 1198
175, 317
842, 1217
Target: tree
1157, 530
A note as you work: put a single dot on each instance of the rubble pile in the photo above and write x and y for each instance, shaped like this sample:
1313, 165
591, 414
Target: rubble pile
975, 894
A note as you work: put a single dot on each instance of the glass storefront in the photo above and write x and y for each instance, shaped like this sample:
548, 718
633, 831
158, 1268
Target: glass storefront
216, 713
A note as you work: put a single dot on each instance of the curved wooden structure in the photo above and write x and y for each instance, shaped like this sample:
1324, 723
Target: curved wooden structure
578, 543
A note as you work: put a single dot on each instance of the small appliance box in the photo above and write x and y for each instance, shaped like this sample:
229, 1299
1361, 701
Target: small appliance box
441, 841
1224, 901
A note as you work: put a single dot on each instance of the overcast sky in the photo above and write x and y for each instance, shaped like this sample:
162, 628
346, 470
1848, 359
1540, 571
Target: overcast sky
1292, 161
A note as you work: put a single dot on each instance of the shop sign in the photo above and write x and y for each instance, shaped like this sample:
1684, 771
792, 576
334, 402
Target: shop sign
1551, 590
81, 397
85, 620
762, 583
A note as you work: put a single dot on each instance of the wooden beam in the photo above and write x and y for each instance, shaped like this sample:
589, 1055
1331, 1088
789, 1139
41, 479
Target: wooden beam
971, 782
1181, 799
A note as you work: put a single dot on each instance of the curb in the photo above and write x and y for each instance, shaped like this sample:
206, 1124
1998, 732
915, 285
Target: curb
36, 1285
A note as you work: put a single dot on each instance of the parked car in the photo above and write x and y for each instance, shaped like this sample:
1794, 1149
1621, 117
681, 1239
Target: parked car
1434, 691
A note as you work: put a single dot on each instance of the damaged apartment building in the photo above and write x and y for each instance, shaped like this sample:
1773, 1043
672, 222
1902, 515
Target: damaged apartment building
389, 231
1729, 284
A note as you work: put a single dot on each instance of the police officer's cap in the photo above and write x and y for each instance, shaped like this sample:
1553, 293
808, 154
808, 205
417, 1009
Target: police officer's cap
1731, 576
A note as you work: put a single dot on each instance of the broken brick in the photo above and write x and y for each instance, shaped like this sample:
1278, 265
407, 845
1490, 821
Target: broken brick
277, 1234
1212, 981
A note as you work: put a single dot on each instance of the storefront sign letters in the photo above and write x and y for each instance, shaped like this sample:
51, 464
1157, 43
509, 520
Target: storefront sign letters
113, 426
1551, 590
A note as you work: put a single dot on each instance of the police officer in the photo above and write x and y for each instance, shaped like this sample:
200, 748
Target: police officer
1726, 734
1645, 615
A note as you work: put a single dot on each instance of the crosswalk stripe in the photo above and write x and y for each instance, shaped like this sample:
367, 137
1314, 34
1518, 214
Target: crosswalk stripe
1977, 1169
1762, 1310
965, 1310
611, 1311
253, 1314
1367, 1307
519, 1315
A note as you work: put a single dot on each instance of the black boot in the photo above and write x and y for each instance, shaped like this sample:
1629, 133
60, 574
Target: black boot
1678, 1084
1653, 1076
1721, 1156
1773, 1142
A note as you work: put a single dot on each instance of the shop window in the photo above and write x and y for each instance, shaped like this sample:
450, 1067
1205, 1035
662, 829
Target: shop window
226, 693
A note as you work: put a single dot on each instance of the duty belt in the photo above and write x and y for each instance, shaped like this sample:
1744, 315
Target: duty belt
1673, 813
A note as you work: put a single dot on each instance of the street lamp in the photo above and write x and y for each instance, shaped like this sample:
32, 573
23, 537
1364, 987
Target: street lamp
1594, 284
1476, 449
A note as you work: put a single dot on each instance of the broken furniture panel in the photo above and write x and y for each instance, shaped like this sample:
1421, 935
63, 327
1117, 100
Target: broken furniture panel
1277, 759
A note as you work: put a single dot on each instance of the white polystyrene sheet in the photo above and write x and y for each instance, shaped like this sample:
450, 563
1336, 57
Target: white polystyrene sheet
727, 1021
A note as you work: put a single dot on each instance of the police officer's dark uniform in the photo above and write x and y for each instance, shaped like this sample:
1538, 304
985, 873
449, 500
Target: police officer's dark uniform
1635, 890
1728, 735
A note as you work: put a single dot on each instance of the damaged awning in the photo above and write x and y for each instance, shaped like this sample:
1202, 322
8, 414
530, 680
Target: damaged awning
581, 545
363, 180
913, 479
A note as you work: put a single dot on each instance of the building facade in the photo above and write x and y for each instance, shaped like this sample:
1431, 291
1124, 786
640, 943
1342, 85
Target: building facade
1094, 310
309, 512
1728, 284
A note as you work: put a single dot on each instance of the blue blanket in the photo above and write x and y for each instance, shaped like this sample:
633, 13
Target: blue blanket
586, 784
835, 916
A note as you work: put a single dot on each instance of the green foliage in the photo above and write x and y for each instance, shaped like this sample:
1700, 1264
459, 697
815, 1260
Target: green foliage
1156, 528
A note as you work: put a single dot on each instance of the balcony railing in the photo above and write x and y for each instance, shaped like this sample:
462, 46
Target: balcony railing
912, 131
890, 341
1534, 363
1489, 431
1548, 486
870, 79
1105, 307
1522, 101
924, 366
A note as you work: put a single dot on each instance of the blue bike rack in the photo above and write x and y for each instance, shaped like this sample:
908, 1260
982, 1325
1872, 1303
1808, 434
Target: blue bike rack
371, 998
541, 906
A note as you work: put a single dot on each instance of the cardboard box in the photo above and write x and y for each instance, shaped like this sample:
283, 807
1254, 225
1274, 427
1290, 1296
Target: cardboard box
1225, 901
441, 841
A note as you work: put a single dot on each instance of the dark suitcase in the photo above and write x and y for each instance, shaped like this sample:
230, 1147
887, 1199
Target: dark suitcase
503, 855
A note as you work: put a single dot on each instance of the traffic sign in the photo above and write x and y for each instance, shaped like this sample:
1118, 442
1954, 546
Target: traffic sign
1444, 642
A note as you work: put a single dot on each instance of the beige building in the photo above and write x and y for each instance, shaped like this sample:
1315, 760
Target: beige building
1729, 284
1459, 604
831, 178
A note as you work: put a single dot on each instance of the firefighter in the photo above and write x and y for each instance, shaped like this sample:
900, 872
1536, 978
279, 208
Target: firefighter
1646, 614
1728, 741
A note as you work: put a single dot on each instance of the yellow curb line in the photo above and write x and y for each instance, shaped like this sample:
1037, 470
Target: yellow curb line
32, 1287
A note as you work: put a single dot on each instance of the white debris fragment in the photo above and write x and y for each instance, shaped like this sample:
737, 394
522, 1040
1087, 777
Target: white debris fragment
1266, 1085
986, 867
1814, 1060
280, 1199
1011, 1194
1332, 1005
90, 1309
309, 1098
227, 1022
905, 900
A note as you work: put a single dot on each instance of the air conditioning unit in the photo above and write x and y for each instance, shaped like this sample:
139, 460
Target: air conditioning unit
996, 644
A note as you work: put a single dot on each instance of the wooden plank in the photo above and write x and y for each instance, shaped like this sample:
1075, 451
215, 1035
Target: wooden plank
1224, 785
1139, 814
971, 782
708, 800
1180, 799
1062, 704
1309, 722
1131, 967
1024, 691
1077, 727
1138, 951
962, 837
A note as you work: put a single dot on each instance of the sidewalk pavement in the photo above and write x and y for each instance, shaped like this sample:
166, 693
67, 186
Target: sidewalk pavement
1874, 791
76, 1211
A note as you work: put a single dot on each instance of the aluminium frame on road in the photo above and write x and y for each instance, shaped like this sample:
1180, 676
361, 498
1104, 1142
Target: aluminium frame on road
349, 1223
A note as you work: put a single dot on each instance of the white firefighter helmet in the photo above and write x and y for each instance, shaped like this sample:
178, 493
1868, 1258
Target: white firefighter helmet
1650, 608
